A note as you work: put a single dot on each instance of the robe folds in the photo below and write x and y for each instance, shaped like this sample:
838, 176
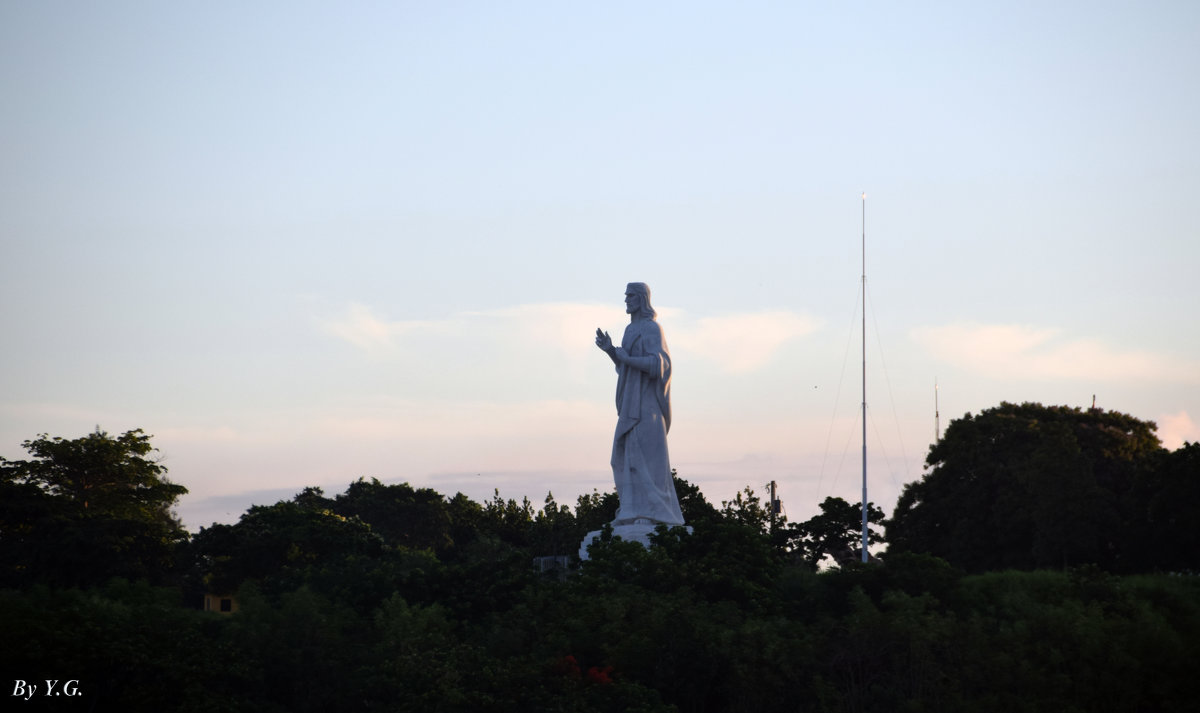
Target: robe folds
640, 463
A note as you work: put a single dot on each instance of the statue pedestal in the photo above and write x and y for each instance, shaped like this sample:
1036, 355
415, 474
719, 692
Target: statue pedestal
639, 532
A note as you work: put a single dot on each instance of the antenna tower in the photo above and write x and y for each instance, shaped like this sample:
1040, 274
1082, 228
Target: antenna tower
937, 418
864, 377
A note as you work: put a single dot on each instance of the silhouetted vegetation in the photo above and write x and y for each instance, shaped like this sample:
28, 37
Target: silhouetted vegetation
82, 511
393, 598
1029, 486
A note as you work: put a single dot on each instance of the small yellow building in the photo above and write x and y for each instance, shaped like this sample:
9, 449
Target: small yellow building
222, 603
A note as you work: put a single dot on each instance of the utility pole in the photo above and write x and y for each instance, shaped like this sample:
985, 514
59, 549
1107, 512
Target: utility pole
775, 507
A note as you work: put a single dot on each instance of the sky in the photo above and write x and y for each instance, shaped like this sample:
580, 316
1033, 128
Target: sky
302, 243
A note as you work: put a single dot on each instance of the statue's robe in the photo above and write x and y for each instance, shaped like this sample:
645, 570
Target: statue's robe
641, 467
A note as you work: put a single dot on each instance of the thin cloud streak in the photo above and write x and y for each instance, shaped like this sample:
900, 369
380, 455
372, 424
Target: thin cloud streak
744, 342
737, 343
1008, 351
362, 328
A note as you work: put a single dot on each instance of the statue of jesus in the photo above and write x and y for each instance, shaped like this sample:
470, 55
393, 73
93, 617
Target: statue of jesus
640, 465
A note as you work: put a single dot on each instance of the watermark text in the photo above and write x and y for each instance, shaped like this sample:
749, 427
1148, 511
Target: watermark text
49, 687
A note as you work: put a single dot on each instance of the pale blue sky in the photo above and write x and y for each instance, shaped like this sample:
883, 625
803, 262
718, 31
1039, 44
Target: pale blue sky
301, 243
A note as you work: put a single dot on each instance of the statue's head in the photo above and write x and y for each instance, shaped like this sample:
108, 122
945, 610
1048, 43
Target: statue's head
637, 300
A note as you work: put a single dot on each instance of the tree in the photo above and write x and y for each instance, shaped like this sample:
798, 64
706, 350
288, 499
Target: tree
100, 474
416, 518
555, 530
1028, 486
510, 521
695, 508
86, 509
747, 509
593, 511
288, 545
1170, 495
835, 533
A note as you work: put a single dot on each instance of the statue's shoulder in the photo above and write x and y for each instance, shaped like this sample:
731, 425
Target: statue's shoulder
644, 328
647, 333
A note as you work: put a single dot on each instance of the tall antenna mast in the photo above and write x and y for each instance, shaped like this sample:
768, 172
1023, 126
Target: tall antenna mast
864, 377
937, 418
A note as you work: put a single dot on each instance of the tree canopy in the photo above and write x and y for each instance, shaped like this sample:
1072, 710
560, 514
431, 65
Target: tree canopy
1029, 486
390, 597
111, 475
835, 533
82, 510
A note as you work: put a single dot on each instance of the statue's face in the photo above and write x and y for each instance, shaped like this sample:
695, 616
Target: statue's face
633, 302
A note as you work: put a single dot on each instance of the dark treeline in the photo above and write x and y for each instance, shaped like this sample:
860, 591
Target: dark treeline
393, 598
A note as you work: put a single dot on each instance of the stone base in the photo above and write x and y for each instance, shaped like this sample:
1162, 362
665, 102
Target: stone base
639, 532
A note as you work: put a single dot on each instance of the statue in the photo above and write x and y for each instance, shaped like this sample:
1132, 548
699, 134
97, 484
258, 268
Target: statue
641, 467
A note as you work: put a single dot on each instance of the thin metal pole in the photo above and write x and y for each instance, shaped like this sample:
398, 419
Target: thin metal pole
937, 416
772, 506
864, 377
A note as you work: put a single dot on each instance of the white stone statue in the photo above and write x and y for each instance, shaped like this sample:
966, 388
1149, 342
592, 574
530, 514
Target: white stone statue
640, 464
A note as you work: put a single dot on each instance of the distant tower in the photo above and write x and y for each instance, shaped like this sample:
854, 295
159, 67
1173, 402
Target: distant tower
937, 418
776, 506
865, 556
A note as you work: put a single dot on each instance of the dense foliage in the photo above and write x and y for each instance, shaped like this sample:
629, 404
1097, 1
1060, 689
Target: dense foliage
1028, 486
81, 511
393, 598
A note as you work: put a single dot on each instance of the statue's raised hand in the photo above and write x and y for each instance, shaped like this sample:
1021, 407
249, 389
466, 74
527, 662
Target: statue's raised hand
603, 340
